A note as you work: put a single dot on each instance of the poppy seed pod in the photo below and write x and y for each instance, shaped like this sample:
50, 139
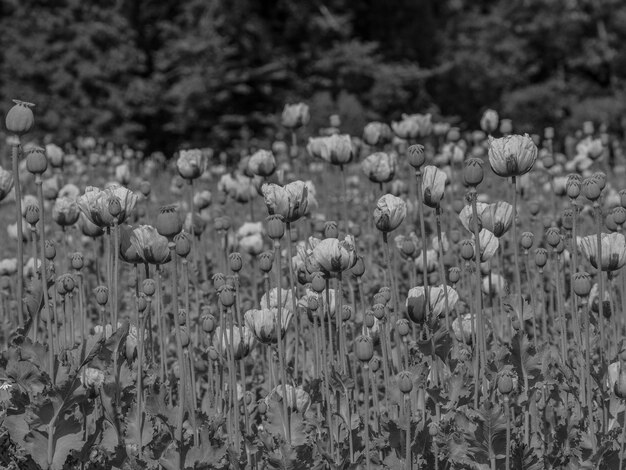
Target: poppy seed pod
454, 274
417, 156
114, 206
183, 244
541, 257
364, 348
553, 236
369, 320
467, 250
148, 286
68, 282
402, 327
235, 261
266, 260
526, 240
600, 178
169, 223
102, 295
572, 188
330, 229
50, 250
619, 215
473, 172
226, 296
208, 323
20, 119
77, 261
567, 219
275, 226
379, 311
219, 280
405, 382
31, 214
582, 284
36, 160
591, 189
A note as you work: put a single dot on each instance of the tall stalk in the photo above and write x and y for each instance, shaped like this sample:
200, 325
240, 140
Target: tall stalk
366, 418
442, 267
44, 275
15, 151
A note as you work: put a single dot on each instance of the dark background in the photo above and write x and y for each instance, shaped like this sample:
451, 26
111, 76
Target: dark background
165, 74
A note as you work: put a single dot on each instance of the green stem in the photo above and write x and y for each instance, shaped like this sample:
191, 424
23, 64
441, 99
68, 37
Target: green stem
366, 418
15, 150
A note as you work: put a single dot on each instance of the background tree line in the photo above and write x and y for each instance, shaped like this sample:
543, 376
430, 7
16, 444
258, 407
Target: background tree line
167, 74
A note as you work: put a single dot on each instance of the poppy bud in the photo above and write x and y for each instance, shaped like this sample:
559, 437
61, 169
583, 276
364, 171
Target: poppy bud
600, 178
36, 161
266, 260
318, 283
77, 261
183, 244
364, 348
208, 323
168, 222
473, 172
582, 284
380, 298
50, 250
20, 119
359, 267
369, 319
102, 295
235, 262
331, 230
526, 240
148, 286
142, 303
505, 384
454, 274
553, 236
534, 207
31, 214
402, 327
417, 156
591, 189
408, 247
386, 291
405, 382
541, 257
275, 226
467, 250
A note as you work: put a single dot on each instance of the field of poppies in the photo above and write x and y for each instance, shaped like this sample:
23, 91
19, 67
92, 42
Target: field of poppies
415, 297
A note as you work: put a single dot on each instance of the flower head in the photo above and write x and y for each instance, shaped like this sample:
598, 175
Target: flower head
151, 247
289, 201
241, 342
95, 204
380, 167
433, 185
389, 213
512, 155
191, 163
334, 256
262, 163
336, 149
295, 115
297, 398
262, 323
436, 298
613, 250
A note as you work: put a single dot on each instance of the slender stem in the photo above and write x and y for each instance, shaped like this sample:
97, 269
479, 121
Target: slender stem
15, 151
279, 339
442, 265
408, 458
140, 332
44, 276
420, 208
586, 317
344, 199
179, 350
292, 288
598, 211
508, 432
517, 277
559, 300
480, 328
366, 418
